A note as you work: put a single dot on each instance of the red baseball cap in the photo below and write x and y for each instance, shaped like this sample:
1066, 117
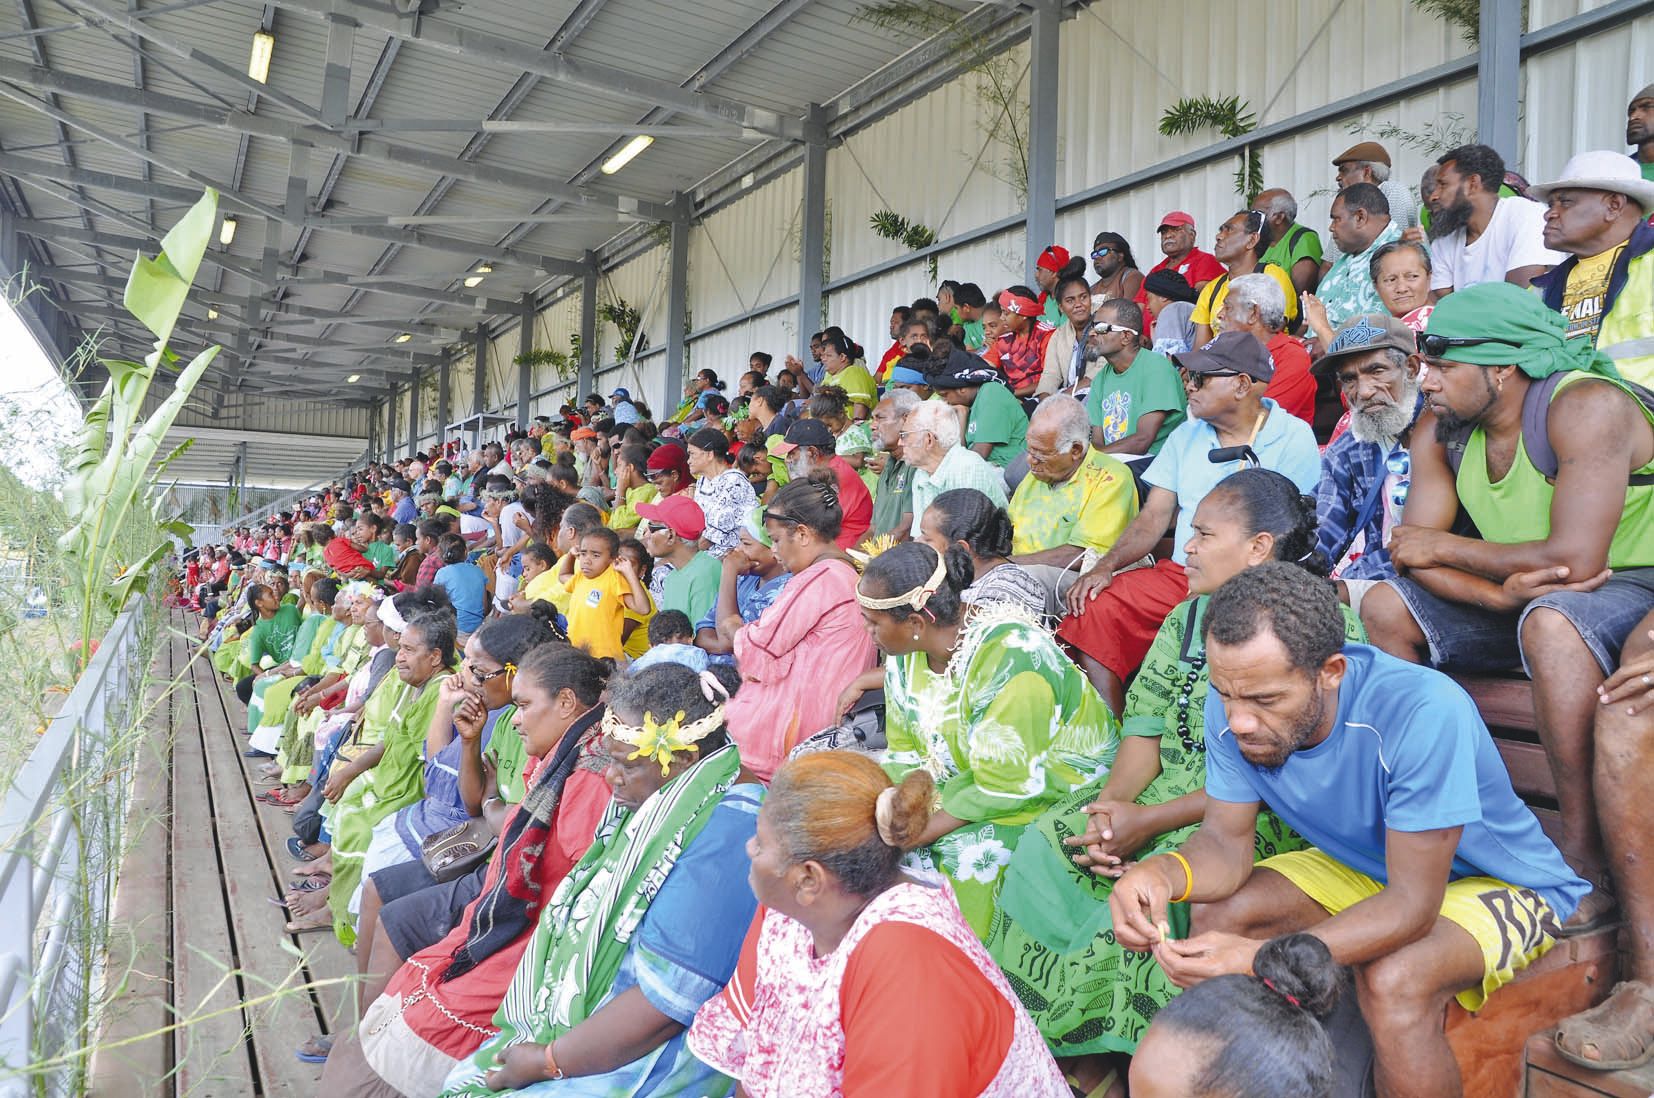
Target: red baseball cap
678, 512
1176, 219
1053, 258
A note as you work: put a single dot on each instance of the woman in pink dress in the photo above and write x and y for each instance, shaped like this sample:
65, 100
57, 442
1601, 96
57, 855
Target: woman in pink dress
809, 645
858, 978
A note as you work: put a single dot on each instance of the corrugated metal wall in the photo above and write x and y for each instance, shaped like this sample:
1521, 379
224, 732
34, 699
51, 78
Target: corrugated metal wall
939, 161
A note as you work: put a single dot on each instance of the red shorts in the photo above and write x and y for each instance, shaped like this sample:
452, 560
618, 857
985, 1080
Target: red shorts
1118, 626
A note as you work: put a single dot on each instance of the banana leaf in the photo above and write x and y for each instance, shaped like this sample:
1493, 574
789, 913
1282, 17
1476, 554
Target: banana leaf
157, 288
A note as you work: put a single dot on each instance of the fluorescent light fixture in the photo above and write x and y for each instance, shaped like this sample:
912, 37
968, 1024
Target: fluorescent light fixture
226, 231
403, 338
353, 379
258, 62
628, 152
474, 280
212, 314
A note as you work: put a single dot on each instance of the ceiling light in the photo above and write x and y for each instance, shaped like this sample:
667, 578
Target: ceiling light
474, 280
403, 338
353, 379
258, 62
226, 231
627, 153
212, 314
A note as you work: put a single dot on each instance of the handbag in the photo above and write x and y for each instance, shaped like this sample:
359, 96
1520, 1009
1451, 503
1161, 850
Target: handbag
453, 853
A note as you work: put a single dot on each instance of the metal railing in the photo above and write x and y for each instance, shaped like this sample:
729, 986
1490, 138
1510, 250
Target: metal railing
62, 832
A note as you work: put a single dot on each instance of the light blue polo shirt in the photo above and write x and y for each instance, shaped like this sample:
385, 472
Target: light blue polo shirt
1408, 752
1286, 444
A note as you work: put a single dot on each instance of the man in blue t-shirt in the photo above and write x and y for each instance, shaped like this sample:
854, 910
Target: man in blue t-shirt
1424, 870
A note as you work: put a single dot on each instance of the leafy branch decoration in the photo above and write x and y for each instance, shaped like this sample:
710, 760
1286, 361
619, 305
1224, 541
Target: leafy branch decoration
1466, 15
1231, 117
916, 237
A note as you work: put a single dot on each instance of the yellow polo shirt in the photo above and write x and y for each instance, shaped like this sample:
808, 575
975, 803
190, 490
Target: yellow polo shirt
1089, 510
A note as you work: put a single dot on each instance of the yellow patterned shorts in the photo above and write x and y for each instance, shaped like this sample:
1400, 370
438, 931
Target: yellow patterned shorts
1514, 926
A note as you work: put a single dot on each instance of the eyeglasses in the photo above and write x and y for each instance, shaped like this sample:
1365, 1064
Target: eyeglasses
1434, 346
1198, 381
1105, 328
481, 677
1098, 253
653, 475
649, 528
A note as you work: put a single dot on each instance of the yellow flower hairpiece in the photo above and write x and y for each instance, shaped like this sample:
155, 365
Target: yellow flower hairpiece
510, 668
660, 741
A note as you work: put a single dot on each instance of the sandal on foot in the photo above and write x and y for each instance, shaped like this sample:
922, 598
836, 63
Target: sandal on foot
315, 1050
310, 884
1603, 1027
296, 850
321, 919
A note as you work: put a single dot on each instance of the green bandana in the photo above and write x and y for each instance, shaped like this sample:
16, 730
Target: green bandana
1500, 310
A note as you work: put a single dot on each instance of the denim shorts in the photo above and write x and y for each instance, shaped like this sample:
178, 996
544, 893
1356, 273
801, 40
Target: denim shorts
422, 917
1463, 637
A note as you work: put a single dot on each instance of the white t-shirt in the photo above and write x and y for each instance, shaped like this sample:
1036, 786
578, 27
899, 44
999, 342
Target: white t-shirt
1515, 237
509, 533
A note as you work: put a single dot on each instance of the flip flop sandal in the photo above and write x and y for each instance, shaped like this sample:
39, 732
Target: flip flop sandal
1595, 1030
315, 1050
310, 924
296, 850
310, 884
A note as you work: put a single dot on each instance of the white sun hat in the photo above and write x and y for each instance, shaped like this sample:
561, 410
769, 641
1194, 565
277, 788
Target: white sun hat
1602, 170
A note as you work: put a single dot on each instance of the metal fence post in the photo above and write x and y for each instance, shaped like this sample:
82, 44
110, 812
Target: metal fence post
1499, 76
813, 231
1043, 90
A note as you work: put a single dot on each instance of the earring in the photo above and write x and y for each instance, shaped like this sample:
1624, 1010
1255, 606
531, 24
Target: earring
915, 636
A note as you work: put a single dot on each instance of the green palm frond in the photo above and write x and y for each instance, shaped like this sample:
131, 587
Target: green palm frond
1231, 116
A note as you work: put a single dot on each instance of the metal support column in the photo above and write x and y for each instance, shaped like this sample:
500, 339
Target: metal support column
479, 384
588, 330
525, 372
390, 424
812, 235
442, 382
1499, 77
373, 431
677, 306
413, 413
1042, 129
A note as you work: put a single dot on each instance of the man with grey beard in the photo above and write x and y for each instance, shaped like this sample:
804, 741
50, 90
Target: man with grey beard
1365, 472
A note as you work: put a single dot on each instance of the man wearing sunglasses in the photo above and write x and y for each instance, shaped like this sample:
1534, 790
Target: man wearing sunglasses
1539, 443
1113, 618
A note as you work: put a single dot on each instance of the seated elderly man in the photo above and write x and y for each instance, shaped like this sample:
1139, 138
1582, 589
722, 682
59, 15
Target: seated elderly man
1366, 471
1113, 618
931, 444
1256, 304
1425, 872
1598, 214
809, 446
1075, 502
1539, 442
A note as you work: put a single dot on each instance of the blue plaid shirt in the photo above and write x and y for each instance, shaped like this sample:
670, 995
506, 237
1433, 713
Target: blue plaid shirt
1351, 470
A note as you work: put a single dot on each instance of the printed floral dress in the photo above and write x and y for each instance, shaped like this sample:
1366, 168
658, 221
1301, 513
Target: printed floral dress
1010, 727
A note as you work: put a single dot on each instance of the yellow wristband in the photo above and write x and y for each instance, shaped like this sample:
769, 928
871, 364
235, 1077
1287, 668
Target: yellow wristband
1188, 875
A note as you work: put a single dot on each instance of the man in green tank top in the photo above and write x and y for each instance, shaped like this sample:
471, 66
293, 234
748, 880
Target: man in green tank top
1538, 442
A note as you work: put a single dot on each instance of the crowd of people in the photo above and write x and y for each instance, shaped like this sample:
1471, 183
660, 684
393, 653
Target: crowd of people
1089, 640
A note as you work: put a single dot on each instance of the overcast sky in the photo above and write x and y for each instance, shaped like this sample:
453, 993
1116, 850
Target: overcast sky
49, 415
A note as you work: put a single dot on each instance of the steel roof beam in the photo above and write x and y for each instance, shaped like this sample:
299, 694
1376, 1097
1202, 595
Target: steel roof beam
505, 52
37, 169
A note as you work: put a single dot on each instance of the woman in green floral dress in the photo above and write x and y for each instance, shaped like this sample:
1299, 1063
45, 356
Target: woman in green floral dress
990, 706
1053, 936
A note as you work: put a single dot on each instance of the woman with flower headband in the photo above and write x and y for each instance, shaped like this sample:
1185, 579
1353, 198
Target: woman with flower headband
1089, 997
809, 644
859, 977
430, 1013
648, 925
989, 706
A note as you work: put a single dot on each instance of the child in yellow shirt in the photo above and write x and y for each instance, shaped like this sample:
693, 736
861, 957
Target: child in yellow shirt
540, 581
600, 592
635, 629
